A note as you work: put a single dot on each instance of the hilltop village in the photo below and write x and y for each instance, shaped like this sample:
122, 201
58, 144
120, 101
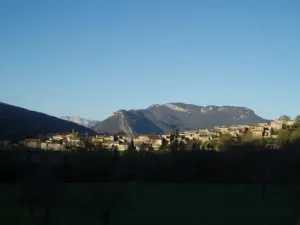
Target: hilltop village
201, 138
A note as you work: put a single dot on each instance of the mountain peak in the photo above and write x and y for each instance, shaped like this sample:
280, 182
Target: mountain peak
80, 120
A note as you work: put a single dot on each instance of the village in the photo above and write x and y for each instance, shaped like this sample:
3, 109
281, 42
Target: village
74, 140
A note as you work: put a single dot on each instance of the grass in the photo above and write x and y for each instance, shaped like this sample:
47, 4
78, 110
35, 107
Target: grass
167, 204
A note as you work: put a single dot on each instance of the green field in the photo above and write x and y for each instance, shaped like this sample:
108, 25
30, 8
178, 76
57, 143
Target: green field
168, 204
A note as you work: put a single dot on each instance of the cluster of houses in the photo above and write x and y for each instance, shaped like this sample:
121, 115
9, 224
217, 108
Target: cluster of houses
119, 142
258, 131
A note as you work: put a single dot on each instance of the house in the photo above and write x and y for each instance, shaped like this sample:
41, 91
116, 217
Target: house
97, 139
191, 135
73, 139
155, 139
234, 133
84, 136
166, 136
106, 145
108, 138
204, 139
57, 137
257, 133
289, 123
233, 128
143, 138
122, 147
156, 144
244, 128
267, 133
276, 125
32, 143
137, 141
262, 124
52, 146
261, 131
222, 130
116, 145
204, 133
257, 128
214, 134
126, 138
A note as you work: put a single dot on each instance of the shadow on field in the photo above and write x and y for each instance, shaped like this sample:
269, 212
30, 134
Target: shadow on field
131, 203
145, 188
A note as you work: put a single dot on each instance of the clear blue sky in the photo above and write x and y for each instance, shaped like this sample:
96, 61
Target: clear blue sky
91, 58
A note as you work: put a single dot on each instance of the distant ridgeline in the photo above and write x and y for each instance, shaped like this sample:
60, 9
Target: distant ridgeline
18, 123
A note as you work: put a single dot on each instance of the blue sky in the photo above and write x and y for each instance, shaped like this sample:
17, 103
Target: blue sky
91, 58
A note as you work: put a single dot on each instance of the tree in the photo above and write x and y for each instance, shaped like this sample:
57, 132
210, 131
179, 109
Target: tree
116, 137
204, 146
247, 137
150, 148
297, 119
143, 146
213, 144
295, 135
172, 138
271, 140
89, 145
283, 137
174, 143
195, 146
260, 143
273, 131
174, 146
131, 147
98, 146
74, 132
225, 142
182, 146
164, 144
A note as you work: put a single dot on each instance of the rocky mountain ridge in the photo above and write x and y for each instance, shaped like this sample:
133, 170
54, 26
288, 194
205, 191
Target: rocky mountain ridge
158, 119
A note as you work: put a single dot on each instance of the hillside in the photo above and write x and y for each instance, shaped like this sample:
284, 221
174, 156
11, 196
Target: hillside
18, 122
158, 119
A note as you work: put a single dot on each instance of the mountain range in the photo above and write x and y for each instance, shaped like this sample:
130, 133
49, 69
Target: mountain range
158, 119
17, 122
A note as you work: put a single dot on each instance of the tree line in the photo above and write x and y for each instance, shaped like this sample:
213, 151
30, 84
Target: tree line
238, 164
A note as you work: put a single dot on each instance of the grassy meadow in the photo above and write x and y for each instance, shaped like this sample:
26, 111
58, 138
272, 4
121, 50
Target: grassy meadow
148, 204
